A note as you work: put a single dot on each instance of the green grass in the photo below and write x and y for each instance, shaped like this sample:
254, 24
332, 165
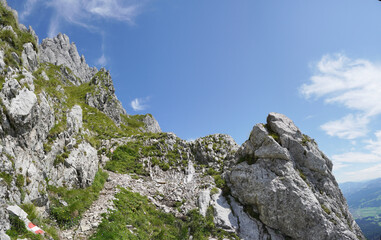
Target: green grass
128, 158
6, 177
125, 159
146, 222
366, 212
79, 200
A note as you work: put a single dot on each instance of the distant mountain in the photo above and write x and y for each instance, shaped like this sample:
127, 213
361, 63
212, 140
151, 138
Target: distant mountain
364, 201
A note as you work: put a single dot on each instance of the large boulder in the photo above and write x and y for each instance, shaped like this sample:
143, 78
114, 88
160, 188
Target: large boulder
286, 183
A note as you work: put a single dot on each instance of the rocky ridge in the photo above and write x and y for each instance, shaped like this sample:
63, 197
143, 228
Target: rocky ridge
68, 148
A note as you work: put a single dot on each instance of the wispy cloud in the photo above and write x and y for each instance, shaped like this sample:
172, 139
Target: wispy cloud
102, 61
28, 8
353, 159
139, 104
364, 174
86, 13
352, 83
348, 127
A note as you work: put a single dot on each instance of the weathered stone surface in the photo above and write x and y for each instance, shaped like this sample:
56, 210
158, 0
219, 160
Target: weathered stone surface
78, 169
215, 150
223, 214
74, 119
29, 57
23, 109
203, 201
4, 236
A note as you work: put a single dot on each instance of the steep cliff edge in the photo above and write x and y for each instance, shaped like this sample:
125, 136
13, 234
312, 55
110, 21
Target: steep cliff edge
82, 168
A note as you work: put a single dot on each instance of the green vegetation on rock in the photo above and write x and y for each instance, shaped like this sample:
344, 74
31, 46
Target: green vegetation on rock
128, 158
136, 218
13, 41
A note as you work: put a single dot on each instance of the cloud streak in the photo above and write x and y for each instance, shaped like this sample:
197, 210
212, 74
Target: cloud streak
85, 13
352, 83
139, 104
353, 159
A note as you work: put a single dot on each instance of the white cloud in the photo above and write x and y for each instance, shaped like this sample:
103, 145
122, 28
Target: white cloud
139, 104
352, 83
354, 157
85, 13
348, 127
102, 61
363, 174
53, 27
28, 8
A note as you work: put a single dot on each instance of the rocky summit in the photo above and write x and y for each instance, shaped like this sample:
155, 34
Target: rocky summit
75, 165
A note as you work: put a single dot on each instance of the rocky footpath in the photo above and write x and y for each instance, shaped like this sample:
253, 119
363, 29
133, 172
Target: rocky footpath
63, 130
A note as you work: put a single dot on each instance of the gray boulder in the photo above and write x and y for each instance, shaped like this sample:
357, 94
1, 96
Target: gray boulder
23, 110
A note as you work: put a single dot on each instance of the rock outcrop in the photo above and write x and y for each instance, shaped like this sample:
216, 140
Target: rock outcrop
103, 97
59, 51
286, 182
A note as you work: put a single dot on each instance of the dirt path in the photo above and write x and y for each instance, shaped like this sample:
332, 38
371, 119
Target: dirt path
92, 217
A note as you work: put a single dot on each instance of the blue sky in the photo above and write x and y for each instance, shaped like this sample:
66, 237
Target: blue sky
219, 66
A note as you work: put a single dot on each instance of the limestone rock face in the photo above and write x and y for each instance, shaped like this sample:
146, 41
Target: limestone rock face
151, 125
74, 119
59, 51
29, 57
287, 184
78, 170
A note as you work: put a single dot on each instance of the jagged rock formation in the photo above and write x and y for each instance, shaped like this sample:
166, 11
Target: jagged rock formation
59, 51
103, 98
61, 124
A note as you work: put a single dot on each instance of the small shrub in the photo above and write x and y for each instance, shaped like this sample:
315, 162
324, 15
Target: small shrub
214, 191
301, 174
220, 183
6, 177
326, 209
20, 180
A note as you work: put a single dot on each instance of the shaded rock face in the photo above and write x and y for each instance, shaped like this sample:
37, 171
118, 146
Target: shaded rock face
287, 184
59, 51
